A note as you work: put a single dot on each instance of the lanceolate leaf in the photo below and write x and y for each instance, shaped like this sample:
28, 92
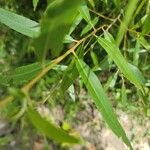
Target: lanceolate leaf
126, 20
100, 98
48, 129
19, 23
146, 25
144, 43
70, 75
85, 13
130, 72
35, 2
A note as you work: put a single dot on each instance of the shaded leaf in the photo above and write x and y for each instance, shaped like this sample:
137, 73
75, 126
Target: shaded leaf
23, 74
56, 23
19, 23
100, 98
111, 81
48, 129
109, 37
69, 77
71, 72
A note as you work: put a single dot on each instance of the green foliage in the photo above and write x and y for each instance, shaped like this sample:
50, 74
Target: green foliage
127, 18
19, 23
146, 25
35, 3
49, 129
98, 95
129, 71
67, 38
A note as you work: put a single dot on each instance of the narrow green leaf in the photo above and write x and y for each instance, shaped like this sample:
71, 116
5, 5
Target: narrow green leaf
85, 13
94, 58
88, 27
109, 37
48, 129
71, 72
144, 43
35, 2
92, 3
130, 72
19, 23
126, 20
123, 94
69, 77
75, 23
100, 98
146, 25
68, 39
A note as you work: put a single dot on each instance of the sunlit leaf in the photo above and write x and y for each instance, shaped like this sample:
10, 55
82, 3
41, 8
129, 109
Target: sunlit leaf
146, 25
130, 72
35, 2
70, 75
19, 23
68, 39
92, 3
94, 59
126, 20
75, 23
84, 10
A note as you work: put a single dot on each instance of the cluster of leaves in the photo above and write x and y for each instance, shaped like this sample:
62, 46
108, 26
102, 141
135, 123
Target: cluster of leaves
74, 39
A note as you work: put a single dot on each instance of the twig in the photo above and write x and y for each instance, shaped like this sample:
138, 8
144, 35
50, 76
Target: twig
26, 88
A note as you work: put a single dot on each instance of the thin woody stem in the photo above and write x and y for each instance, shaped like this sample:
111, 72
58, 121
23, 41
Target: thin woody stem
26, 88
